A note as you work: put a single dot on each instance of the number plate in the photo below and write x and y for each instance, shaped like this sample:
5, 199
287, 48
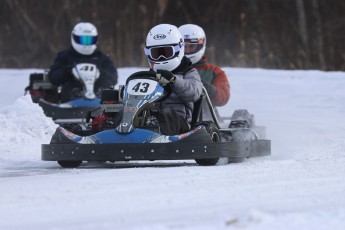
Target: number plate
141, 86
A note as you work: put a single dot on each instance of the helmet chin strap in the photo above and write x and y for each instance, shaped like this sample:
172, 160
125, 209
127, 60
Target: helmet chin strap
152, 65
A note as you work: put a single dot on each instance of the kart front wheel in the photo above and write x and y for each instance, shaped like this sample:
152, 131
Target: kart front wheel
70, 164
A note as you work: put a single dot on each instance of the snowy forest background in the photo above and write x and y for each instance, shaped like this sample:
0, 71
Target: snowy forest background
294, 34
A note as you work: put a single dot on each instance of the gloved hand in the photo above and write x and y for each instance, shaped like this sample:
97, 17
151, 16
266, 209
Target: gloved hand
165, 77
211, 89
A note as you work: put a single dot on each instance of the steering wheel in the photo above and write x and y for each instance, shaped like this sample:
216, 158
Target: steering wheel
152, 76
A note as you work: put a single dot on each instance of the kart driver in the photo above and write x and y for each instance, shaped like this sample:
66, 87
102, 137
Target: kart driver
84, 50
213, 78
165, 54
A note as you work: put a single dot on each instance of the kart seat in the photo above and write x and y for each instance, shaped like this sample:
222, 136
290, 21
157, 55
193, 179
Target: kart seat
197, 111
203, 110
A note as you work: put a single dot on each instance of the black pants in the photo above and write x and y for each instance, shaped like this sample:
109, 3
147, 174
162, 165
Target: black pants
171, 123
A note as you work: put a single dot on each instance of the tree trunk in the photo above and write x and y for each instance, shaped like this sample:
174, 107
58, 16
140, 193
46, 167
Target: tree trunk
303, 29
319, 35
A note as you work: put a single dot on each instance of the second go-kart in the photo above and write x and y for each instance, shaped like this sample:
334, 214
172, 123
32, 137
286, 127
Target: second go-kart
133, 139
73, 111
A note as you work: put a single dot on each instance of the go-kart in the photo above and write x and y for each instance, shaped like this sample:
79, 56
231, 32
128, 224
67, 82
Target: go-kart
73, 111
133, 139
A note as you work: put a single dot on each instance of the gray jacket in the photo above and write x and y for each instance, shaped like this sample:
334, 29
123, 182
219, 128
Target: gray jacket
186, 90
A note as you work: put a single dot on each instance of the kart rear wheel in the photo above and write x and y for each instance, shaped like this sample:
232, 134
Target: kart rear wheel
215, 136
70, 164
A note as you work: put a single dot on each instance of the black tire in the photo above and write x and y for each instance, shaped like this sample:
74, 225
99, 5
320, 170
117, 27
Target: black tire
70, 164
215, 136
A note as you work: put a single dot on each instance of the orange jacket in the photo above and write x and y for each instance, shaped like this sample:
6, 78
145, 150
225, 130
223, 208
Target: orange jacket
215, 81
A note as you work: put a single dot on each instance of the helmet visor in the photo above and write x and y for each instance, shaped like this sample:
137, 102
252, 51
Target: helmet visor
193, 46
165, 52
85, 40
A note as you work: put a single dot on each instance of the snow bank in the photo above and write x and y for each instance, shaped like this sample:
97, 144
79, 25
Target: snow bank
23, 126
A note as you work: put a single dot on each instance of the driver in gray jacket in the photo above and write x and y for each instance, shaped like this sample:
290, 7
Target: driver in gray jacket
165, 52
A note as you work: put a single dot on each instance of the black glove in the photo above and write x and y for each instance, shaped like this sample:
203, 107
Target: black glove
65, 74
211, 89
165, 77
67, 71
68, 68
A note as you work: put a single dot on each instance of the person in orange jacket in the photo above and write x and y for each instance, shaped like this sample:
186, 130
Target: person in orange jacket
213, 78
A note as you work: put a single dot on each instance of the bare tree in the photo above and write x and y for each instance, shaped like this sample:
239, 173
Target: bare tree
246, 33
319, 35
303, 27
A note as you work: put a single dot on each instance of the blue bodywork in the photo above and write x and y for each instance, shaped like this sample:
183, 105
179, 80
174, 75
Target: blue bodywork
80, 102
136, 136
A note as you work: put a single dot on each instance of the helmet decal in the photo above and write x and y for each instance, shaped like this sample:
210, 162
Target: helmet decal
181, 43
159, 36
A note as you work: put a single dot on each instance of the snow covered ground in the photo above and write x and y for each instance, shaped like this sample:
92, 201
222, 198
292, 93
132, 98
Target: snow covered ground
301, 186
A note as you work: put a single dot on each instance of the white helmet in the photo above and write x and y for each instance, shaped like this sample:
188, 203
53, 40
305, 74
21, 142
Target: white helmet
195, 41
164, 47
84, 38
